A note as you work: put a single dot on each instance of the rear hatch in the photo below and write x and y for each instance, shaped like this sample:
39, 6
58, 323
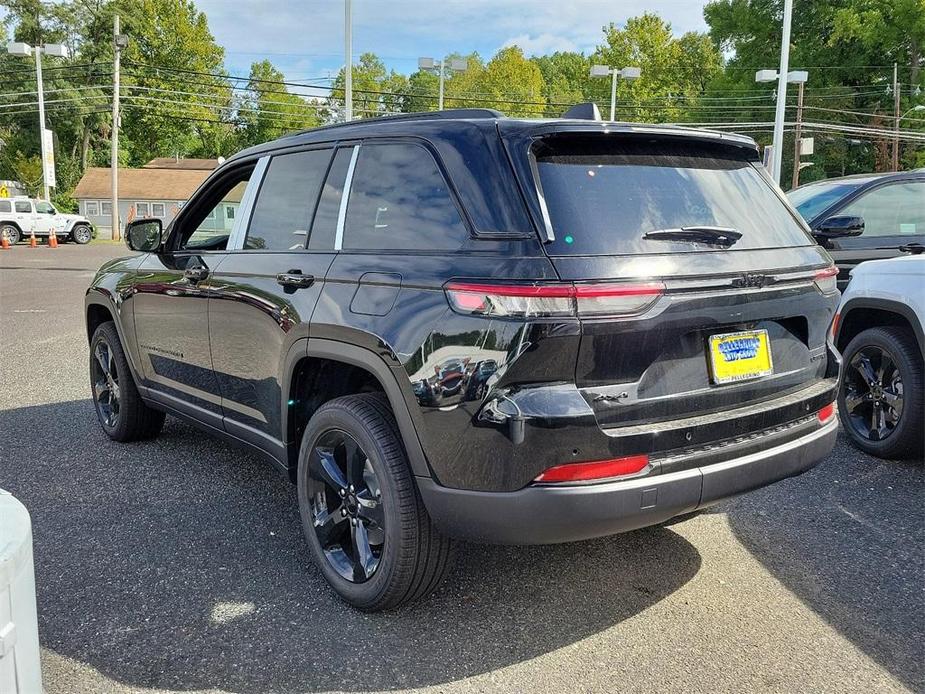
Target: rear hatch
743, 296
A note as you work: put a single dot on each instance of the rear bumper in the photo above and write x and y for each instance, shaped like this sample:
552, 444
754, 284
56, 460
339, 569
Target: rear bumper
548, 514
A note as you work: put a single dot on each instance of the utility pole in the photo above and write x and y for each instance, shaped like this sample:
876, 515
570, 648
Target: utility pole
797, 133
348, 62
781, 107
119, 41
896, 96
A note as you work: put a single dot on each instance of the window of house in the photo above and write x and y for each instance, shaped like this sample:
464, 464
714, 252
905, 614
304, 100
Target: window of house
23, 207
106, 208
229, 212
158, 209
142, 210
91, 208
286, 202
399, 200
894, 209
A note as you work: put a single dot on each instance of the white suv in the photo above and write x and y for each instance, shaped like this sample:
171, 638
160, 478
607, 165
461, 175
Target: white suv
878, 329
21, 217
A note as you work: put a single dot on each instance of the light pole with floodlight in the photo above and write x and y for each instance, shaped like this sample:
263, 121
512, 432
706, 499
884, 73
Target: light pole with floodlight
440, 66
58, 50
799, 78
627, 73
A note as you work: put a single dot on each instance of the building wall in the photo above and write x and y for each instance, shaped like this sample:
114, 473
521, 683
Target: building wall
221, 218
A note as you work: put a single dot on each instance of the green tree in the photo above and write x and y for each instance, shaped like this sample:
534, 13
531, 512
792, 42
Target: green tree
267, 109
853, 43
566, 79
675, 71
376, 90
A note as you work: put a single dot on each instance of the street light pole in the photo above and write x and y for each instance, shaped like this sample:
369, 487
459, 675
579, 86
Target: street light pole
429, 65
53, 49
627, 73
896, 95
780, 110
348, 60
613, 95
797, 133
37, 52
442, 77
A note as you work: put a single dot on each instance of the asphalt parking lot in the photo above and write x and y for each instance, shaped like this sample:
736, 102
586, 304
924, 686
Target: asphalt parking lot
178, 564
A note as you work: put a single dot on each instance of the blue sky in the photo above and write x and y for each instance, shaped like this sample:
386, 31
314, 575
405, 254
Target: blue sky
304, 38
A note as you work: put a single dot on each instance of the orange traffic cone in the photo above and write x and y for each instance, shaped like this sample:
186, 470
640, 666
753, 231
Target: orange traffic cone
52, 240
4, 242
32, 242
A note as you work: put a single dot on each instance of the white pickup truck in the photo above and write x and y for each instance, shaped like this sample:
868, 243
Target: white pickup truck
21, 217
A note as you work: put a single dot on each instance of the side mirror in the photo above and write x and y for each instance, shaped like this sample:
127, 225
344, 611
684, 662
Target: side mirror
839, 227
144, 235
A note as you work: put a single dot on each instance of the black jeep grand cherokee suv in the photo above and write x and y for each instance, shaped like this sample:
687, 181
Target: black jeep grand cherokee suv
462, 325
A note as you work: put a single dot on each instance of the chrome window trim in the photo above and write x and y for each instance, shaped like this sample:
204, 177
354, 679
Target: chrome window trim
243, 214
345, 195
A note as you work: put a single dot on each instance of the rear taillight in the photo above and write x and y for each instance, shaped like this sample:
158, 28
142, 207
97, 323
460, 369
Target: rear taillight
826, 280
563, 299
594, 470
826, 413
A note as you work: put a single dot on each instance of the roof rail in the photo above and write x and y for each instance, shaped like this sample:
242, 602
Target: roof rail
447, 114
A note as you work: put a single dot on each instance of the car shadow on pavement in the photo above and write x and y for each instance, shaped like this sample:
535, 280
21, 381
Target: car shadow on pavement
179, 563
847, 538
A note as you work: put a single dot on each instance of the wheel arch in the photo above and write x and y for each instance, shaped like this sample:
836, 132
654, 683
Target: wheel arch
344, 369
98, 309
862, 313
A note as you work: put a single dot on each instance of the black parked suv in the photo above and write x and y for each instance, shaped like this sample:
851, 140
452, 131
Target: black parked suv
865, 217
462, 325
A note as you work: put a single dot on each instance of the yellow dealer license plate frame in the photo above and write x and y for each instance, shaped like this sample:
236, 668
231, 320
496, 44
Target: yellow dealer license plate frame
740, 356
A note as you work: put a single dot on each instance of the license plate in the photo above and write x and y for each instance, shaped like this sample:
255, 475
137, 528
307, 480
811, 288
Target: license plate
740, 356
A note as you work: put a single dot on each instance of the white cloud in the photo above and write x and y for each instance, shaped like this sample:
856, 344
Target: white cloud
541, 45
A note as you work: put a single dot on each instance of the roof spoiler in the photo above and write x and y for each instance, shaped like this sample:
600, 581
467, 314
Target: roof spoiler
587, 111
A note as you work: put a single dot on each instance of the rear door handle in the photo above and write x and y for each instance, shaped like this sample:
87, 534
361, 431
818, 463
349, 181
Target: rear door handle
295, 279
196, 274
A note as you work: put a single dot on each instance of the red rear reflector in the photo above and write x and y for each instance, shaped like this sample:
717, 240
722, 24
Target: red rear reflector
826, 413
594, 470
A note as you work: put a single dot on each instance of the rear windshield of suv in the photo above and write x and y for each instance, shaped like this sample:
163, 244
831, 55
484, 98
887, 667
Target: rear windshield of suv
604, 195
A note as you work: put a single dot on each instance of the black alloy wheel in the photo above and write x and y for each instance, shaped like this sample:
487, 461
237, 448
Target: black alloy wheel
873, 392
881, 401
362, 514
106, 390
346, 506
122, 413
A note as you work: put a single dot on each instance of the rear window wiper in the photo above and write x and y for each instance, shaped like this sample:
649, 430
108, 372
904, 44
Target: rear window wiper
716, 236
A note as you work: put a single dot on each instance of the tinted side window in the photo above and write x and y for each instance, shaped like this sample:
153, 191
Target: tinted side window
891, 210
24, 207
5, 206
286, 201
325, 224
399, 200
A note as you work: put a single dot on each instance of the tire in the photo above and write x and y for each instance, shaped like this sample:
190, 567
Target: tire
413, 556
897, 434
81, 234
122, 414
11, 232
